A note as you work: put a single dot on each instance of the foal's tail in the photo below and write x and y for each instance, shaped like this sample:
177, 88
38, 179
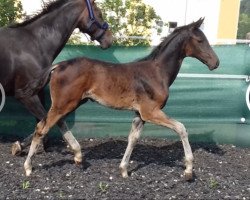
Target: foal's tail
34, 86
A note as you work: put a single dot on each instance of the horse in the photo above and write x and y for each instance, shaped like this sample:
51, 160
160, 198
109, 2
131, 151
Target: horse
31, 46
141, 86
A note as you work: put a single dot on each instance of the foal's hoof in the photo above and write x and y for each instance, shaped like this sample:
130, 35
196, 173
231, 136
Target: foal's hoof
28, 172
78, 161
188, 176
28, 169
16, 148
124, 172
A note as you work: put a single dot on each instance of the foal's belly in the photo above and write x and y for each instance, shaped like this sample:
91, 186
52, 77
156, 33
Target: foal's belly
115, 101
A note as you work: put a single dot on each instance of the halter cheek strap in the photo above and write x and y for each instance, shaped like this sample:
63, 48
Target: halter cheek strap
93, 21
91, 13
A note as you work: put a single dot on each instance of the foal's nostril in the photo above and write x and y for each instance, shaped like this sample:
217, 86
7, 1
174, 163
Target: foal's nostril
217, 63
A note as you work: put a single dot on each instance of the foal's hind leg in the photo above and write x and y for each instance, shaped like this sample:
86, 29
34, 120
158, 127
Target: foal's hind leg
35, 106
134, 135
159, 117
71, 141
42, 129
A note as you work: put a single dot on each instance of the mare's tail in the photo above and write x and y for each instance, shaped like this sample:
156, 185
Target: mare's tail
34, 86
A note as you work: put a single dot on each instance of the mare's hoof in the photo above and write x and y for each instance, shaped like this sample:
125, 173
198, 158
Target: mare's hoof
16, 148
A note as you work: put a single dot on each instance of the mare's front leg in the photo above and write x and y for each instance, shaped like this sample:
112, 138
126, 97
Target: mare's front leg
158, 117
136, 129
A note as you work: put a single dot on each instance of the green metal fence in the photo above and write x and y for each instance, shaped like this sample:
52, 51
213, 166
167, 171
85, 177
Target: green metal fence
211, 104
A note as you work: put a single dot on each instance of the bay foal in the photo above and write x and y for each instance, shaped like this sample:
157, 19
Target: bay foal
141, 86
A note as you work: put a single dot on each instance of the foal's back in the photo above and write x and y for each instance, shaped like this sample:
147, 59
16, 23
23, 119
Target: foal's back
121, 86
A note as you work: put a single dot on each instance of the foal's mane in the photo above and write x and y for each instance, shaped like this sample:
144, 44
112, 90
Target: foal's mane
47, 8
158, 49
166, 40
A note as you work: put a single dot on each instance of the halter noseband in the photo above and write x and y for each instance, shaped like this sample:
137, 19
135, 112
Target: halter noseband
93, 21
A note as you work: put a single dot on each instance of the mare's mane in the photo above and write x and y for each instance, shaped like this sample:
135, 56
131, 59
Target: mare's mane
47, 8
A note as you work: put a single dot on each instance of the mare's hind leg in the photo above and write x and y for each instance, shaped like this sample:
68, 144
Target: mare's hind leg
41, 95
35, 107
134, 135
159, 117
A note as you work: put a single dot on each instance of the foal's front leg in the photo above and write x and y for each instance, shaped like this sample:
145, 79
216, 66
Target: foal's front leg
134, 135
158, 117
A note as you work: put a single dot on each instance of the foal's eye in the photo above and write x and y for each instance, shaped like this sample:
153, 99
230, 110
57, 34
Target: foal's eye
200, 41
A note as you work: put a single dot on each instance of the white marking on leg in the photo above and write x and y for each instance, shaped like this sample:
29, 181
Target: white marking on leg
74, 145
159, 117
71, 141
181, 130
134, 135
33, 148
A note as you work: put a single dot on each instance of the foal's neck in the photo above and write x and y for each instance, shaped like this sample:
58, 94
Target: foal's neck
171, 58
53, 30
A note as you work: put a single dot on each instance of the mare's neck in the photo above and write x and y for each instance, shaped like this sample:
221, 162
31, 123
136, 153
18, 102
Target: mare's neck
52, 30
171, 58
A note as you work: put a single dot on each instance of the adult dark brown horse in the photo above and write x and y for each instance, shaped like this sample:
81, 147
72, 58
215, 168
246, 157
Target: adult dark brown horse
141, 86
29, 47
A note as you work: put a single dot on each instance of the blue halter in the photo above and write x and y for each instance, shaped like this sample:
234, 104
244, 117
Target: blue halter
93, 21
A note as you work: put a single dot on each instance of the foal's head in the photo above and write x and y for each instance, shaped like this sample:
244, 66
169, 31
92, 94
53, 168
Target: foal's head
91, 22
198, 46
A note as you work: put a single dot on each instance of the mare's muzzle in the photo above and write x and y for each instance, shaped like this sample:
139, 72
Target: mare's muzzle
93, 22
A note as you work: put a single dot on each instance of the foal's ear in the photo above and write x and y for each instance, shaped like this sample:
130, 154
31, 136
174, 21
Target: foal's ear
198, 23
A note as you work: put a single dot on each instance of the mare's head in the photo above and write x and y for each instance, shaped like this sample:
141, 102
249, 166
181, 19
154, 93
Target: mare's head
92, 23
197, 45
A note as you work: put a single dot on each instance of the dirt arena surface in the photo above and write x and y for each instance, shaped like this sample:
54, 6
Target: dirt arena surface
156, 168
